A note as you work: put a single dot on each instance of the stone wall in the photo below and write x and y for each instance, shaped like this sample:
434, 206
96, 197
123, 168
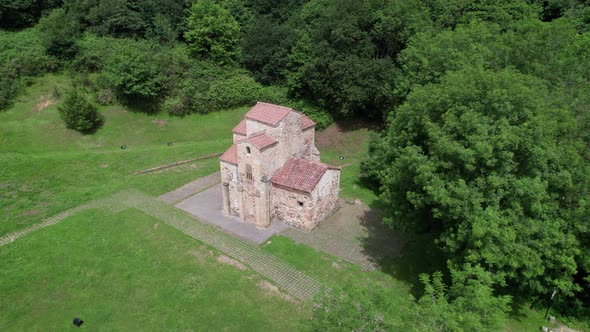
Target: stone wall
254, 194
292, 207
325, 194
229, 176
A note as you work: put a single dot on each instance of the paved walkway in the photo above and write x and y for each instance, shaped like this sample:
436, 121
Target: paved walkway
191, 188
354, 233
207, 206
295, 282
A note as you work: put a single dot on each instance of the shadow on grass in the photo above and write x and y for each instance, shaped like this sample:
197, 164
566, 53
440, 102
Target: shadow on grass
357, 123
402, 256
135, 104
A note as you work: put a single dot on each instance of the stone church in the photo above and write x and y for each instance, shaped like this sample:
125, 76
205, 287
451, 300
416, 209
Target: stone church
272, 171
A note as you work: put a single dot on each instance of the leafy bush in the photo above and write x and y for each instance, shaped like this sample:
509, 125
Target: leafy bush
59, 34
131, 70
105, 97
21, 56
175, 105
78, 113
209, 88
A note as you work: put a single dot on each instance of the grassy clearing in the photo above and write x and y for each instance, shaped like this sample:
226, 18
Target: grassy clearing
130, 272
350, 140
47, 168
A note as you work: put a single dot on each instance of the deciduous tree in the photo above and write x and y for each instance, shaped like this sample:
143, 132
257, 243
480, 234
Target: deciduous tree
213, 33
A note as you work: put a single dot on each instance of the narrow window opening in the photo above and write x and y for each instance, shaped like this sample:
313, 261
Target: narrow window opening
248, 171
248, 150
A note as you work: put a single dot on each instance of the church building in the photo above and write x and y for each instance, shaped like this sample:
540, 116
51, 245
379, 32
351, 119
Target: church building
272, 171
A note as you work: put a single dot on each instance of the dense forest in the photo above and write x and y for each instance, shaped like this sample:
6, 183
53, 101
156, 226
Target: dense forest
486, 106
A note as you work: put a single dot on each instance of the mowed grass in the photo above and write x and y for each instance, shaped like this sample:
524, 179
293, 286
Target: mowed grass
131, 272
46, 168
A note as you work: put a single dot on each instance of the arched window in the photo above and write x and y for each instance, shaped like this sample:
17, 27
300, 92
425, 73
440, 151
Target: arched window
248, 150
248, 172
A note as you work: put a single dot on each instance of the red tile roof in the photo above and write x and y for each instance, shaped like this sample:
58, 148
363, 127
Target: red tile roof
300, 174
231, 155
269, 114
240, 129
260, 140
306, 122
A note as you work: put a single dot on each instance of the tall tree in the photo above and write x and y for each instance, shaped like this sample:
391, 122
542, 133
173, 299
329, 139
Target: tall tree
486, 159
59, 34
213, 34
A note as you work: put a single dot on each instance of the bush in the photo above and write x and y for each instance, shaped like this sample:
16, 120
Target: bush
21, 55
59, 34
9, 85
105, 97
78, 113
208, 88
175, 106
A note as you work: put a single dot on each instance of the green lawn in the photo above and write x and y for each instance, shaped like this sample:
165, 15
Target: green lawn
130, 272
47, 168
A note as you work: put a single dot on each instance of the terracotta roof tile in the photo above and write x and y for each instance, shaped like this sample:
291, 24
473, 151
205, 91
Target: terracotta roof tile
240, 129
269, 114
300, 174
231, 155
260, 140
306, 122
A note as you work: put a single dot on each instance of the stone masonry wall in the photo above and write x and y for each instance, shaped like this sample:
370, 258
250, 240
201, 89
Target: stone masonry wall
325, 194
229, 176
286, 207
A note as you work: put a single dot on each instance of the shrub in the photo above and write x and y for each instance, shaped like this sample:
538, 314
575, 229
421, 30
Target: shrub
105, 97
321, 117
78, 113
9, 85
59, 34
209, 88
132, 72
175, 105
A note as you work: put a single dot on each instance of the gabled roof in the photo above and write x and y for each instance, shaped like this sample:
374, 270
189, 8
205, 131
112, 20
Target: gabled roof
269, 114
306, 122
231, 155
240, 129
260, 140
300, 174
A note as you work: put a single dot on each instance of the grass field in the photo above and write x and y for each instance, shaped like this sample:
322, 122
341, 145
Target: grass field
128, 271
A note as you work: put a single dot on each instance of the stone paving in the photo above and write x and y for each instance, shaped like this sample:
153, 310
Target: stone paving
295, 282
354, 233
191, 188
207, 206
